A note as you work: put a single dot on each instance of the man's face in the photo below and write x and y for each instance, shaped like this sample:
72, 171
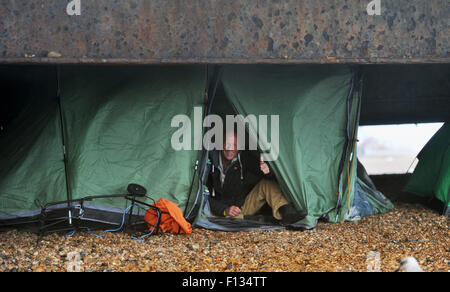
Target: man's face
230, 148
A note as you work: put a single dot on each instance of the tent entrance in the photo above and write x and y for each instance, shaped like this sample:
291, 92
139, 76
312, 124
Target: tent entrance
220, 105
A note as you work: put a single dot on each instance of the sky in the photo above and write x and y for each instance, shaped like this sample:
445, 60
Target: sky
390, 149
407, 137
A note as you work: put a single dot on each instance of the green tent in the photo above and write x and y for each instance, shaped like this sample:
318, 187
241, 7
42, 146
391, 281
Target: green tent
112, 125
91, 130
431, 177
318, 109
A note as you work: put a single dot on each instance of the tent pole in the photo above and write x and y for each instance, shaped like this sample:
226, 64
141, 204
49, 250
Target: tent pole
354, 139
63, 140
347, 142
211, 89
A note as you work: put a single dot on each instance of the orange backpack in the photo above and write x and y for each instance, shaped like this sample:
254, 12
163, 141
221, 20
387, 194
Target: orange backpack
171, 221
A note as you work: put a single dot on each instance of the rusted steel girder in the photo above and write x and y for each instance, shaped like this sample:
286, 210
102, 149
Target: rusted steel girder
224, 31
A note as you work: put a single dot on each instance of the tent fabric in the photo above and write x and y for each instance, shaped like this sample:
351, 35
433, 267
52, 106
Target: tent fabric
31, 155
431, 177
117, 129
366, 200
311, 102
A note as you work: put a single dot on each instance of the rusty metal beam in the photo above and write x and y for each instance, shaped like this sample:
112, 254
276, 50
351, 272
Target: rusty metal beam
224, 31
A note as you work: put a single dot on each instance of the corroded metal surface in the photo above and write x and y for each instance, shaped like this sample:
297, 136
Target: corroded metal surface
224, 31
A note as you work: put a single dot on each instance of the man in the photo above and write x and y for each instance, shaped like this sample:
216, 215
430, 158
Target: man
229, 198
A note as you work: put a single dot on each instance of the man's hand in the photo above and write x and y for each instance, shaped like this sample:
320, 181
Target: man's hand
233, 211
263, 166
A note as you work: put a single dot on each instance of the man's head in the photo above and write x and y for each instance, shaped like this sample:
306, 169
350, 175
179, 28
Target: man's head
230, 147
